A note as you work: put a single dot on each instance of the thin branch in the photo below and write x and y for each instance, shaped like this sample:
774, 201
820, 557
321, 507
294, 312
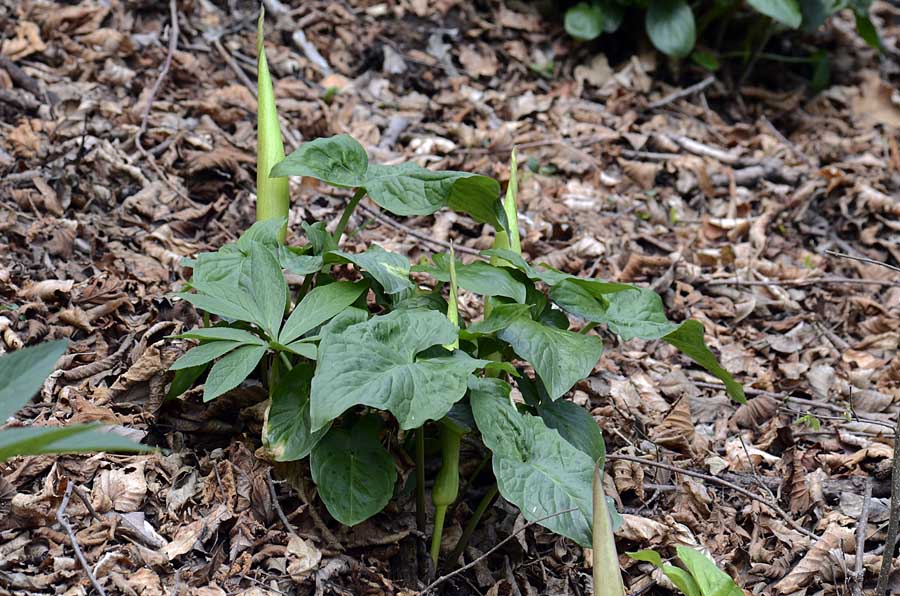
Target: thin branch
274, 496
842, 255
799, 282
411, 232
763, 501
887, 558
163, 72
687, 91
860, 574
61, 518
499, 545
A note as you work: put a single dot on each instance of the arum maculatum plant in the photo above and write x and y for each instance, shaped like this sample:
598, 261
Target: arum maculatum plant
364, 367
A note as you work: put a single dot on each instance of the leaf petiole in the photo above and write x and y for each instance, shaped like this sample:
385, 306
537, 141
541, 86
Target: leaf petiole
348, 211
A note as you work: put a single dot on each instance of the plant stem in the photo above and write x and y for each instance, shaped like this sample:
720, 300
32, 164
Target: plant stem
440, 512
767, 35
285, 360
348, 211
463, 542
420, 479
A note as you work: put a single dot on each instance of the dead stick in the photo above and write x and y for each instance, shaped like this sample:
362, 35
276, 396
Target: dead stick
799, 282
835, 253
274, 494
860, 575
163, 72
790, 521
687, 91
887, 558
444, 578
408, 230
61, 518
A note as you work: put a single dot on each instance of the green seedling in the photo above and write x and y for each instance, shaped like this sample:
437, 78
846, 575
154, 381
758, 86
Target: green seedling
21, 375
355, 366
699, 577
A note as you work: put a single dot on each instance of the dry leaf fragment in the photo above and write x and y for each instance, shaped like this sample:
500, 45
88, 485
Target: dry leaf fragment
676, 431
27, 41
478, 63
121, 490
816, 559
47, 289
303, 558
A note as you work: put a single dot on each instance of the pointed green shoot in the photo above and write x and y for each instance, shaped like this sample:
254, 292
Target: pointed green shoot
509, 239
510, 207
607, 576
453, 300
272, 195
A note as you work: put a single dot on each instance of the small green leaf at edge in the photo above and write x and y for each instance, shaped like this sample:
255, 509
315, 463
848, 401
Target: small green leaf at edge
681, 578
204, 354
354, 473
671, 27
584, 21
222, 334
688, 338
77, 438
786, 12
23, 372
706, 60
711, 580
184, 380
230, 371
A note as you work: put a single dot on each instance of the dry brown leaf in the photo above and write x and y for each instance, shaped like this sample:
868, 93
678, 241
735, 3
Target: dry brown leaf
755, 412
121, 490
27, 41
816, 559
303, 558
875, 103
676, 431
478, 63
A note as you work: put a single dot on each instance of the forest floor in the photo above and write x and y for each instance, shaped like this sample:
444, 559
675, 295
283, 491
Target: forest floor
723, 202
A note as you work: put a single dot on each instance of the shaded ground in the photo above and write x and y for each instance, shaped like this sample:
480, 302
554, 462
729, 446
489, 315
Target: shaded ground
725, 204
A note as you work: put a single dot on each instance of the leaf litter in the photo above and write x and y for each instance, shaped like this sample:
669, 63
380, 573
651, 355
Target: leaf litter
726, 207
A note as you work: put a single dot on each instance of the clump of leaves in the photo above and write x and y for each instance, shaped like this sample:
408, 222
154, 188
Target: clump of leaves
362, 364
698, 577
353, 365
22, 373
675, 26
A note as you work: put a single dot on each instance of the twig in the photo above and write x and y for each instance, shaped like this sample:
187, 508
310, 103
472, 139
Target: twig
163, 72
860, 574
887, 558
799, 282
787, 143
61, 518
408, 230
790, 521
703, 150
499, 545
835, 253
672, 97
274, 495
